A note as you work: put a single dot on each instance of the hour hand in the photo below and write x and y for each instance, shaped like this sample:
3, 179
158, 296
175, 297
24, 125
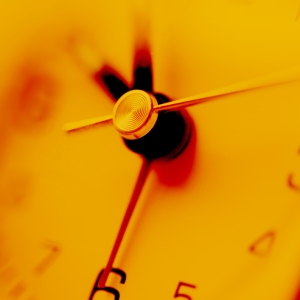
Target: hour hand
84, 124
280, 77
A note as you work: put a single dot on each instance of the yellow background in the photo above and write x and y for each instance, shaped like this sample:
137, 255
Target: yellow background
72, 190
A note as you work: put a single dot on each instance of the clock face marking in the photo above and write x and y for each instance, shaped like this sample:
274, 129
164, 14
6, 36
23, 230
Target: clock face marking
263, 245
292, 180
292, 183
180, 294
13, 281
54, 251
18, 290
98, 285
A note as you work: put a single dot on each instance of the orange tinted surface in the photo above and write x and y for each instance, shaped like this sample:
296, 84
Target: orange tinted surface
203, 220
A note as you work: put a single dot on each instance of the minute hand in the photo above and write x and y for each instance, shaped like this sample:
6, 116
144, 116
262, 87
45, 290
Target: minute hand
279, 77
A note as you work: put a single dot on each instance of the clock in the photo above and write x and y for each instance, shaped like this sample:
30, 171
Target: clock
201, 202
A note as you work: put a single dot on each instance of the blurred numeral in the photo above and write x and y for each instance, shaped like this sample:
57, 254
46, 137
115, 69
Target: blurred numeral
109, 290
180, 284
53, 251
292, 182
263, 245
17, 290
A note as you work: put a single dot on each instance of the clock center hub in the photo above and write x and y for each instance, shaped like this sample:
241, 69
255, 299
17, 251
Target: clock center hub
133, 115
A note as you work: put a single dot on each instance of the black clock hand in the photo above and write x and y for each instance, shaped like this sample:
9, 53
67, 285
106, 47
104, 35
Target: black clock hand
129, 211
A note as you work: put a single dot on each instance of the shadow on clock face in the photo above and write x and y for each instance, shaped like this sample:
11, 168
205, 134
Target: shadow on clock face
170, 143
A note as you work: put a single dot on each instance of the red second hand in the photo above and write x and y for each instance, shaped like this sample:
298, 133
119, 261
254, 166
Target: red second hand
130, 208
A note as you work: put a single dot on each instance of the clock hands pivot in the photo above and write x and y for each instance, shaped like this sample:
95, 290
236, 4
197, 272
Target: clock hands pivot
133, 115
136, 111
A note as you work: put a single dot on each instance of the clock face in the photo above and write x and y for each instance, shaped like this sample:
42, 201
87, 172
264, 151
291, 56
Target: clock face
220, 219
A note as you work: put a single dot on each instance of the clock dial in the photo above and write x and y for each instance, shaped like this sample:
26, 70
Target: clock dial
217, 219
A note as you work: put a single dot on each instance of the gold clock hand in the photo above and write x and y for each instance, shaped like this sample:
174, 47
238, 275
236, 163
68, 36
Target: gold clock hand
279, 77
130, 208
78, 125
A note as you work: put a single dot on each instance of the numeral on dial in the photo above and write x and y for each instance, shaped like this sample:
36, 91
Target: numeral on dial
181, 295
17, 290
292, 183
263, 245
107, 289
49, 258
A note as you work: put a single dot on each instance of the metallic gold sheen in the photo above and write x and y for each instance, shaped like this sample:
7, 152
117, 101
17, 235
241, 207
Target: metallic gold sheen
133, 115
82, 124
279, 77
